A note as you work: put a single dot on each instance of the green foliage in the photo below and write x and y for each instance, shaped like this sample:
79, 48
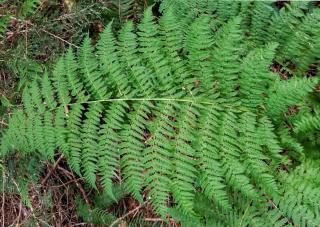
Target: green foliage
185, 112
29, 6
4, 20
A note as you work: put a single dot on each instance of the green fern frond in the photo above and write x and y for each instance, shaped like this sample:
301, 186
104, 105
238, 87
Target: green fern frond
129, 58
50, 138
300, 201
304, 45
198, 44
74, 137
308, 123
227, 10
284, 94
47, 91
61, 83
4, 21
171, 32
132, 148
90, 130
61, 131
91, 77
255, 77
29, 6
261, 14
230, 154
226, 58
254, 159
185, 172
109, 149
76, 87
211, 172
182, 113
150, 47
157, 156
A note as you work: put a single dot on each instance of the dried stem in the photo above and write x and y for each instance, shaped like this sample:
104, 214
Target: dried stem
71, 176
127, 214
3, 197
52, 170
4, 123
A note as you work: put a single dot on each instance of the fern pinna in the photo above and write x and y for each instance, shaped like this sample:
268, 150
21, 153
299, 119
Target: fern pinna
178, 112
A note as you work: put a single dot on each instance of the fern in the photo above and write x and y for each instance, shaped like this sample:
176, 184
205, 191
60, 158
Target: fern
4, 21
261, 12
159, 108
287, 93
308, 123
29, 6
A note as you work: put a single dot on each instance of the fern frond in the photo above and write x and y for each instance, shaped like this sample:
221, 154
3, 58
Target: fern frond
199, 43
227, 10
304, 45
74, 82
29, 6
230, 154
74, 137
129, 57
291, 143
171, 31
158, 155
36, 96
308, 123
61, 131
254, 159
261, 14
286, 20
255, 76
183, 114
211, 172
133, 146
150, 48
300, 201
91, 76
90, 130
226, 58
270, 141
109, 144
130, 9
284, 94
48, 92
110, 66
61, 83
185, 157
50, 138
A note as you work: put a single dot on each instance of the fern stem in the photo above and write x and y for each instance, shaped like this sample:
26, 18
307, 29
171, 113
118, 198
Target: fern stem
244, 214
156, 99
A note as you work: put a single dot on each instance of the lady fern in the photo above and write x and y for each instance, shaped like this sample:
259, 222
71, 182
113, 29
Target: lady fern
178, 112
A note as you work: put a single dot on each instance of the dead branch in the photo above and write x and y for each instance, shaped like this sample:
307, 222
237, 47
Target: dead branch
53, 169
127, 214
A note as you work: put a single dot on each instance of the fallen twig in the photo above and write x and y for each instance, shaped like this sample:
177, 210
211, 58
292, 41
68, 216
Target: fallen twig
3, 197
45, 31
127, 214
32, 213
71, 176
4, 123
53, 169
171, 220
